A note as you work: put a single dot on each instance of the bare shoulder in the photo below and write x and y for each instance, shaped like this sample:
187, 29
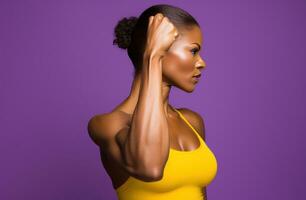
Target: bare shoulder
195, 119
104, 126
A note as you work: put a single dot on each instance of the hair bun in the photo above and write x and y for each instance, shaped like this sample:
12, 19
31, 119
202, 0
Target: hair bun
123, 32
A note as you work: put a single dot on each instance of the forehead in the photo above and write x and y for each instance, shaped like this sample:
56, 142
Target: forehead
190, 35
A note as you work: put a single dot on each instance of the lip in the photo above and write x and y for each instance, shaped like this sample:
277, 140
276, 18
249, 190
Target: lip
196, 78
198, 75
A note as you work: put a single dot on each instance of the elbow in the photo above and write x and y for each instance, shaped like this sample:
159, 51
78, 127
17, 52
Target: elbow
155, 174
150, 175
146, 170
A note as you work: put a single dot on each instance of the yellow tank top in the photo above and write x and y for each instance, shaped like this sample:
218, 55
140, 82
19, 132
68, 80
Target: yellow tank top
185, 174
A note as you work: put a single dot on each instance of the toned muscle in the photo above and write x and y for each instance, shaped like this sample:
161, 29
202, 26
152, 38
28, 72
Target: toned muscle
136, 137
181, 138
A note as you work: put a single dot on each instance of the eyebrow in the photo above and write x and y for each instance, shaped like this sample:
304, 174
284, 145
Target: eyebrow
198, 45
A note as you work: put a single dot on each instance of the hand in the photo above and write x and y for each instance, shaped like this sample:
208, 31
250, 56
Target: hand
161, 34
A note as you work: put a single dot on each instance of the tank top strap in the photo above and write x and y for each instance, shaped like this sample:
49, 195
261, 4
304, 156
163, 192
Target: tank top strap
189, 124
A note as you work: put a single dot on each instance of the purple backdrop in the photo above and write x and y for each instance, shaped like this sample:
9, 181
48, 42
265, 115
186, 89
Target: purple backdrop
59, 68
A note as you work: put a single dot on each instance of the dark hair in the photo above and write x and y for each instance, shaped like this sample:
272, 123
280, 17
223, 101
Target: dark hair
131, 32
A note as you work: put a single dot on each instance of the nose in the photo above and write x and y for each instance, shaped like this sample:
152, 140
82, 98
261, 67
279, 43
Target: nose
201, 63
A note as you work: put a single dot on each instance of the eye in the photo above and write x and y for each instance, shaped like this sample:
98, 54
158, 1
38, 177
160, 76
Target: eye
194, 51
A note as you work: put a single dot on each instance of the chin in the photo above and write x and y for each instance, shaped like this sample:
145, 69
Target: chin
186, 86
188, 89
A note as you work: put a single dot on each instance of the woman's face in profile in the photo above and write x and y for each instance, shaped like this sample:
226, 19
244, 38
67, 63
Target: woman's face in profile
183, 60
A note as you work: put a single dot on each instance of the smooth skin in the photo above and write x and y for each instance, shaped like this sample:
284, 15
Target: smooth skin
135, 137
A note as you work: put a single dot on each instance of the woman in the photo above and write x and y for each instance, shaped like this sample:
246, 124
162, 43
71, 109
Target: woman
151, 150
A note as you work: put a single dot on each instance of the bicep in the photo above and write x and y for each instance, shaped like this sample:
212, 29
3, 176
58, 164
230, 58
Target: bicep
109, 138
114, 147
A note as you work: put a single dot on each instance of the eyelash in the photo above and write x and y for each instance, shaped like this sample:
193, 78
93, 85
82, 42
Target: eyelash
195, 50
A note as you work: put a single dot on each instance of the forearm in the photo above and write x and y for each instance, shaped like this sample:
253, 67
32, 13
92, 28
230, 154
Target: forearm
148, 139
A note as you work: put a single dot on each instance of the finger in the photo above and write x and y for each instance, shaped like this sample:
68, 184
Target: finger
150, 20
176, 34
158, 18
167, 24
159, 15
165, 20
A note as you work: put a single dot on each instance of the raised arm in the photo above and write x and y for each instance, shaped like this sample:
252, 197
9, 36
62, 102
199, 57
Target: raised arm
147, 143
142, 149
